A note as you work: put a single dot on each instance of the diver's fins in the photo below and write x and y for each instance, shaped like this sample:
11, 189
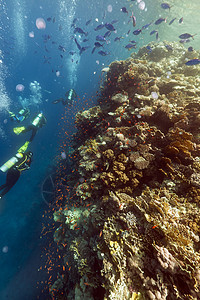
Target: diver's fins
23, 148
18, 130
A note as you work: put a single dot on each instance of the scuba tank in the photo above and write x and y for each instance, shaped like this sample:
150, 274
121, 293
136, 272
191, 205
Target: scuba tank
36, 121
70, 94
11, 162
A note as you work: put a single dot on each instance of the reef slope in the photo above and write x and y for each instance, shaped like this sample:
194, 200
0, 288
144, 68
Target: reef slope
131, 227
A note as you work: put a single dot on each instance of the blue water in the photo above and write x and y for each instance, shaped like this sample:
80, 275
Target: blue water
26, 59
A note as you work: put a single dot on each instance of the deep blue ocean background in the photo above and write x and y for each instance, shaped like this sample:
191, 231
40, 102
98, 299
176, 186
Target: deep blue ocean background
45, 58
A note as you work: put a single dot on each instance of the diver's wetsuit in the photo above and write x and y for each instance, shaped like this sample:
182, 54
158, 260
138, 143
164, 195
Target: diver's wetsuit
34, 131
11, 178
14, 173
35, 128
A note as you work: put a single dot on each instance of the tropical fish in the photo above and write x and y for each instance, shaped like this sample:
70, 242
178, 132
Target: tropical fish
186, 36
124, 10
169, 47
172, 21
181, 20
146, 26
103, 53
83, 49
100, 38
85, 40
137, 31
96, 45
49, 19
149, 49
61, 48
165, 6
183, 41
133, 19
154, 31
190, 49
193, 62
130, 46
160, 20
79, 30
108, 33
88, 22
156, 35
117, 38
99, 27
110, 27
78, 45
114, 21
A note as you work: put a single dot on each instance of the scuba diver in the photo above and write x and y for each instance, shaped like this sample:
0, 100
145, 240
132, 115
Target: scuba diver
22, 115
38, 122
18, 163
69, 100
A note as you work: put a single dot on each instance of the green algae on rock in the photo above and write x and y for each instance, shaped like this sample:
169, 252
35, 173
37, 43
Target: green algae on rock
134, 233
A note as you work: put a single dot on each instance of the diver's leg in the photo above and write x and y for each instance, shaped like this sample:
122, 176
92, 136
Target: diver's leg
29, 128
34, 130
11, 179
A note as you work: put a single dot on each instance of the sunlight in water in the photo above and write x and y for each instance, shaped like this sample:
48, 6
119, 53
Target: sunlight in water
67, 12
19, 27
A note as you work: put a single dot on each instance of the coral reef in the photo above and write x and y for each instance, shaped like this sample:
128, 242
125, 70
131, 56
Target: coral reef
131, 228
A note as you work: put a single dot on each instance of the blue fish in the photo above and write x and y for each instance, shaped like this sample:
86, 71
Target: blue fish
114, 21
61, 48
169, 48
149, 49
156, 35
183, 41
137, 31
117, 38
100, 38
99, 27
85, 40
130, 46
108, 33
79, 30
165, 6
96, 45
78, 45
124, 10
186, 36
83, 49
110, 27
88, 22
159, 21
172, 21
190, 49
154, 31
193, 62
103, 53
146, 26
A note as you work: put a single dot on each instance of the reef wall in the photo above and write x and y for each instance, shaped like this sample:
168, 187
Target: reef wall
131, 227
